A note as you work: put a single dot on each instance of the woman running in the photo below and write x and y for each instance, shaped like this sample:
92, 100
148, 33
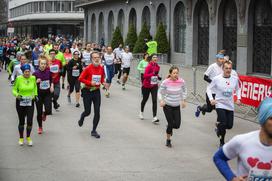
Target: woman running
142, 65
74, 69
172, 94
45, 89
150, 86
25, 91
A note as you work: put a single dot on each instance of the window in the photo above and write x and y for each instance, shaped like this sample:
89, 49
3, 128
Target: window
41, 6
48, 6
179, 27
57, 6
36, 7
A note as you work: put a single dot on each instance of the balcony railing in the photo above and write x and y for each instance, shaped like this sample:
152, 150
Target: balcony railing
86, 2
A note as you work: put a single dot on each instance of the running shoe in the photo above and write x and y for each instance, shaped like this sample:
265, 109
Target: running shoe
43, 116
197, 113
123, 87
77, 105
141, 116
95, 134
63, 86
168, 143
69, 99
107, 94
56, 107
118, 81
29, 141
40, 130
21, 141
155, 120
80, 123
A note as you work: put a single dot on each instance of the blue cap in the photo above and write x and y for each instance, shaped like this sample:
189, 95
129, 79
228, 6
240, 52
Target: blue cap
219, 56
265, 111
25, 67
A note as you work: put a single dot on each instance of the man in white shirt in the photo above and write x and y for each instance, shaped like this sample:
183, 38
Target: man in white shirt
126, 58
86, 55
118, 53
108, 59
253, 151
224, 86
212, 71
17, 69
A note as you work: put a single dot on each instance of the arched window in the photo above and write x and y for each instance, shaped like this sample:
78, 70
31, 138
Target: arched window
101, 27
110, 26
161, 15
179, 27
146, 16
133, 18
93, 28
121, 19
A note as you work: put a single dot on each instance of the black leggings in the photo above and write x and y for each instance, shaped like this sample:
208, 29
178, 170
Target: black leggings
207, 107
118, 70
146, 92
172, 115
90, 97
25, 112
74, 84
225, 121
44, 99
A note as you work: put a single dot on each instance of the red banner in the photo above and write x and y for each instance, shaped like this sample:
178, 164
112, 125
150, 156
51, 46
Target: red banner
254, 89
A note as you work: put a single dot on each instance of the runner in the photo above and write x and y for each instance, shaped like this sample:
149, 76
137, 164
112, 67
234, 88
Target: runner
109, 68
212, 71
45, 89
142, 65
35, 56
2, 61
93, 76
25, 91
48, 47
13, 62
55, 69
172, 94
74, 69
118, 55
86, 55
60, 56
150, 86
252, 150
224, 86
126, 58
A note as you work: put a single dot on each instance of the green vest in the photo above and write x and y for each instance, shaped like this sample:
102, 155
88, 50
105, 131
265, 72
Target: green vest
152, 47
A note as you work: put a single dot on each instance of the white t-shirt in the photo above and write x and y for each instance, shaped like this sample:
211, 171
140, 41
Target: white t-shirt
213, 70
73, 50
17, 71
224, 89
252, 156
118, 52
109, 58
126, 59
86, 57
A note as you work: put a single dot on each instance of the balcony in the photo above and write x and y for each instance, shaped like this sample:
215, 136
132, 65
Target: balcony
80, 3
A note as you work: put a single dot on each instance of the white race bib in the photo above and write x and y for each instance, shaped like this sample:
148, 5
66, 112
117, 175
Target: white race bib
96, 79
260, 175
44, 85
36, 62
26, 101
54, 68
75, 73
154, 80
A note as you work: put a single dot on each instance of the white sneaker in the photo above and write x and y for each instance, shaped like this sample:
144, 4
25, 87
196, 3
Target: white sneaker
141, 115
29, 141
21, 141
155, 120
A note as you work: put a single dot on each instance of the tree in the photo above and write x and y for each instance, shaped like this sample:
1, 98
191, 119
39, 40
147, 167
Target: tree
144, 34
131, 37
117, 38
161, 38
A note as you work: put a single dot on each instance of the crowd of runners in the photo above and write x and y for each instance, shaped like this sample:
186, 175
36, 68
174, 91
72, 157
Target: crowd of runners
39, 69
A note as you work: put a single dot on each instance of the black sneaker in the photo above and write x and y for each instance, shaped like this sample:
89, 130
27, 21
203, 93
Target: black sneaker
77, 105
168, 143
80, 123
95, 134
63, 86
56, 106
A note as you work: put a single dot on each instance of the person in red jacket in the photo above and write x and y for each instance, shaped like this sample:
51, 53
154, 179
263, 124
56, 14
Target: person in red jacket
55, 66
150, 85
92, 77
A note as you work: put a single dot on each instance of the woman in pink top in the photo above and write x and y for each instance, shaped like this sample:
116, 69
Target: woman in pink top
172, 94
150, 86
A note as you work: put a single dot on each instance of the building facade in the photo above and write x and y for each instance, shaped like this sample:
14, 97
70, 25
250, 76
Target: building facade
45, 18
196, 29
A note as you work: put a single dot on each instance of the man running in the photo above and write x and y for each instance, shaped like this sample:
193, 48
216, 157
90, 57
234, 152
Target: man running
109, 68
224, 86
93, 76
118, 55
126, 58
213, 70
253, 151
17, 69
86, 55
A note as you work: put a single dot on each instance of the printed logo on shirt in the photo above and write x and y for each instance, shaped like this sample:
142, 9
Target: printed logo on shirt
44, 85
75, 73
259, 171
96, 79
54, 68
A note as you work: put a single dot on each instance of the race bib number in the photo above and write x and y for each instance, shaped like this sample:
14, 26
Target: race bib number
36, 62
96, 79
44, 85
260, 175
227, 93
54, 68
75, 73
154, 80
26, 101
